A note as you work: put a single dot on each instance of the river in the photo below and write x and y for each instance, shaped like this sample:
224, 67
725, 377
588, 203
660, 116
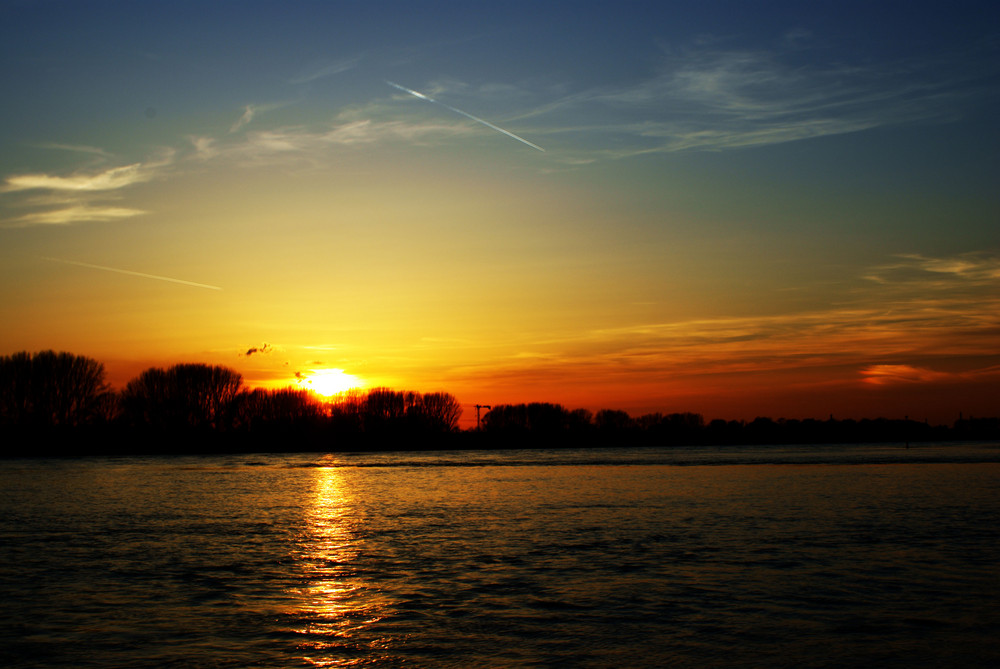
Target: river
634, 557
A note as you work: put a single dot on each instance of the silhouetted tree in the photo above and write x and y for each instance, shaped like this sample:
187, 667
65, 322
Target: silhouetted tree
537, 418
384, 409
440, 412
506, 418
183, 396
682, 428
581, 420
50, 389
347, 412
270, 410
611, 420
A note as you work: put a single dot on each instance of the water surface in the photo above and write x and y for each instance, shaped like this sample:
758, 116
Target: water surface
817, 556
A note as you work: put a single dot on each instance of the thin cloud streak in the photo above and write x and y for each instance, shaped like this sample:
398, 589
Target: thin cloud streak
252, 110
325, 71
883, 344
110, 179
889, 375
75, 194
131, 273
713, 100
421, 96
76, 148
248, 113
75, 214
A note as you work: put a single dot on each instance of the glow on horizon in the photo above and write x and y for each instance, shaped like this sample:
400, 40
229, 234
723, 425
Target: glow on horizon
328, 383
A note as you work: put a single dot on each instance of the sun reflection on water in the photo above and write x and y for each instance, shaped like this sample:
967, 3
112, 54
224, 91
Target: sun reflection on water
337, 607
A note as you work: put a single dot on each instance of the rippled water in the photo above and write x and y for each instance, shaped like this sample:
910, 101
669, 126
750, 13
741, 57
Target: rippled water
592, 558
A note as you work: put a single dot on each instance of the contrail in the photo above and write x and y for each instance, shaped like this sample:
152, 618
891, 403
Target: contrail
130, 272
465, 114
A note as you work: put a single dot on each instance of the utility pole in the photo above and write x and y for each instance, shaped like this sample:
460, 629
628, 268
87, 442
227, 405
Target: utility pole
478, 407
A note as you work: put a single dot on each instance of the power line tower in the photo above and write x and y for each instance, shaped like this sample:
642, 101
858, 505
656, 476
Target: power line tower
478, 407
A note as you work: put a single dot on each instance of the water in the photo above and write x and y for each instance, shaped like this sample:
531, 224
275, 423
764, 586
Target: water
813, 557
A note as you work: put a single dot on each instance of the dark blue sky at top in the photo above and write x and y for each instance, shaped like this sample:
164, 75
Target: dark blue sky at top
218, 49
93, 73
76, 70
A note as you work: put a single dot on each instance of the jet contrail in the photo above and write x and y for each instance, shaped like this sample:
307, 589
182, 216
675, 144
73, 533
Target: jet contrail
130, 272
465, 114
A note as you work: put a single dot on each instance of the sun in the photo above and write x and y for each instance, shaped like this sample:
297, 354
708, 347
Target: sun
329, 382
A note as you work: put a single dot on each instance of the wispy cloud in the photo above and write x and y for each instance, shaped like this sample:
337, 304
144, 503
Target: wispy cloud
205, 147
421, 96
80, 196
76, 148
263, 348
976, 267
74, 214
323, 70
251, 110
880, 375
958, 275
128, 272
349, 129
888, 375
109, 179
243, 120
888, 333
712, 98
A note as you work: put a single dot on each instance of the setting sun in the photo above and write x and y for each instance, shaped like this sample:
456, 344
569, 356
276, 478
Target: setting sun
329, 382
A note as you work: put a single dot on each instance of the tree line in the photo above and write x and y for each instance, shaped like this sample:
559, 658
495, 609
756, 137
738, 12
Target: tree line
49, 395
685, 428
60, 402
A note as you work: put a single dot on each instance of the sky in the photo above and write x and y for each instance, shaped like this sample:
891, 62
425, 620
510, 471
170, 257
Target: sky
786, 209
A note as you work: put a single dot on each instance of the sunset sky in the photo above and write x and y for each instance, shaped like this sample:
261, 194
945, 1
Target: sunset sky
734, 208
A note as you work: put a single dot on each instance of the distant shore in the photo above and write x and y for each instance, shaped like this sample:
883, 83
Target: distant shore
114, 440
60, 404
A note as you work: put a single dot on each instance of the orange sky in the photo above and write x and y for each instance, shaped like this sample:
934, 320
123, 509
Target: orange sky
762, 216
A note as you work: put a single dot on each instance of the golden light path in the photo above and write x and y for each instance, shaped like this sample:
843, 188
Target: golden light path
336, 607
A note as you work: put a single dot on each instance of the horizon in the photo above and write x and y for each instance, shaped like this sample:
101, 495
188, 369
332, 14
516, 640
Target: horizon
734, 211
342, 392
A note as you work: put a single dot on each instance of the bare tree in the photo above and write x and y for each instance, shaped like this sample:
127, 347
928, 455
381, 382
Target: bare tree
183, 396
613, 420
50, 389
283, 408
384, 409
441, 411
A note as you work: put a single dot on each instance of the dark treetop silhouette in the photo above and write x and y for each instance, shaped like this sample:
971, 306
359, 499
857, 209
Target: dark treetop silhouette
201, 408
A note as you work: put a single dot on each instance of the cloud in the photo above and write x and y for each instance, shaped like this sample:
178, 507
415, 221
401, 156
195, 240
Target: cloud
710, 98
110, 179
243, 120
128, 272
76, 148
880, 375
74, 214
263, 348
77, 197
977, 266
968, 270
889, 374
251, 110
323, 70
896, 332
313, 143
205, 147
